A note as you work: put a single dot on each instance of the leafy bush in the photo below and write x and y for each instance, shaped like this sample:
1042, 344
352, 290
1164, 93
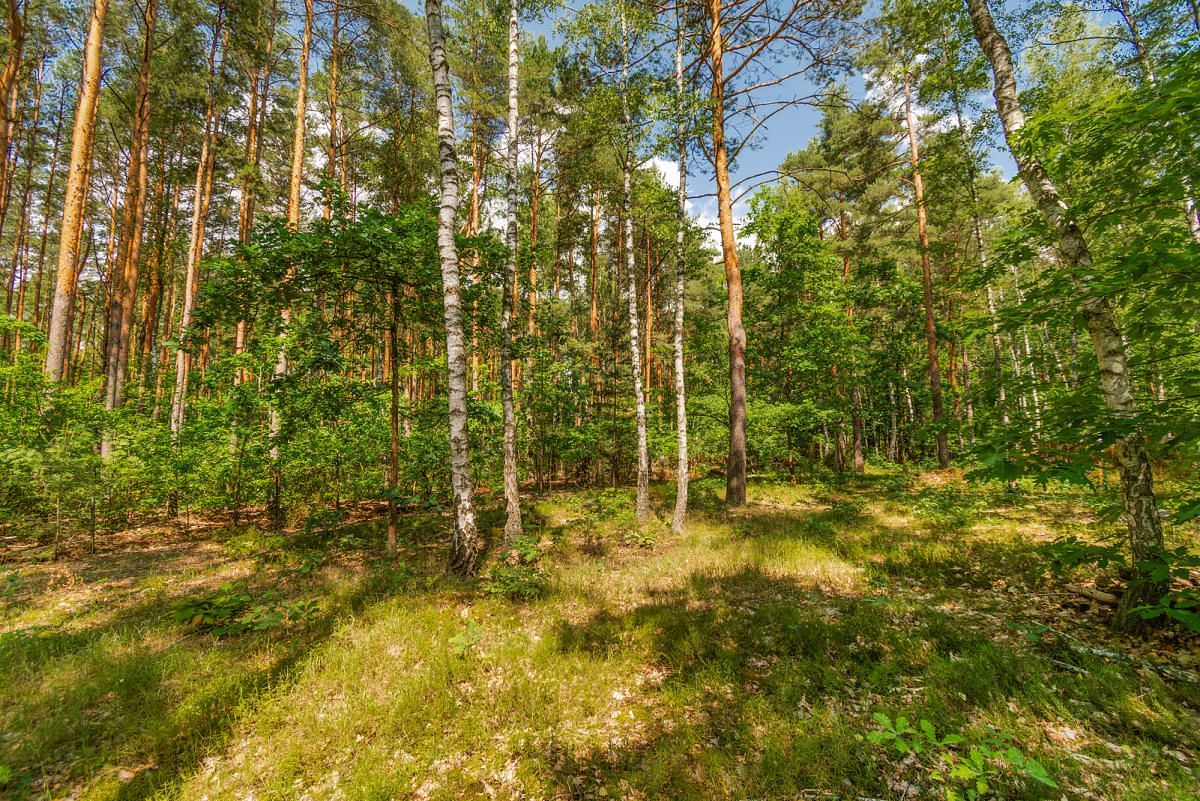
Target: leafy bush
640, 536
231, 611
1071, 552
964, 777
10, 582
516, 582
517, 576
949, 507
1182, 602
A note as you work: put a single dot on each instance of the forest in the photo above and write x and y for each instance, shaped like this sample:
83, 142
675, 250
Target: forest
638, 399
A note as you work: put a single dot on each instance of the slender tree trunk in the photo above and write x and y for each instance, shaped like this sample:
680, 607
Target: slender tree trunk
512, 490
333, 151
1137, 480
295, 184
642, 502
41, 268
679, 519
735, 477
393, 367
203, 197
935, 379
10, 85
467, 544
120, 324
19, 273
78, 174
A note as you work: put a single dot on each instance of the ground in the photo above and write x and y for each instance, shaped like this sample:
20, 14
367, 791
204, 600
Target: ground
752, 657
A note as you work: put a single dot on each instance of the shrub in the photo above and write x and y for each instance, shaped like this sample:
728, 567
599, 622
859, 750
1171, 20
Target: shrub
968, 776
231, 611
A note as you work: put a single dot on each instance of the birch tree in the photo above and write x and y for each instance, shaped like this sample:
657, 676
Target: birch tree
466, 545
679, 518
1143, 526
512, 490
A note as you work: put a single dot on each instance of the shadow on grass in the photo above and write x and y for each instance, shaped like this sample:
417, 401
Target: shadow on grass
133, 704
766, 683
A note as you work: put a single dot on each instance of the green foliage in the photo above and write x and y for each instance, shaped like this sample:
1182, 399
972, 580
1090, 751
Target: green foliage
231, 612
1177, 567
1070, 552
10, 582
517, 575
464, 643
971, 776
519, 582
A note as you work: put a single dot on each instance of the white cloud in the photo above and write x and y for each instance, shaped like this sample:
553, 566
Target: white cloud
669, 170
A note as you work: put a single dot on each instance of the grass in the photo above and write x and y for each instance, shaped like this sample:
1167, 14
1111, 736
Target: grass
742, 659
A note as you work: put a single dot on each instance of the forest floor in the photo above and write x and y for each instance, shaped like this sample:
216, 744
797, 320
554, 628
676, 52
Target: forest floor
746, 659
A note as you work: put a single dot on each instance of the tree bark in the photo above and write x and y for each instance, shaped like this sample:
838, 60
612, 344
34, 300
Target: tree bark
466, 544
512, 490
295, 184
735, 475
679, 518
10, 84
78, 174
642, 501
1137, 482
45, 236
120, 324
935, 379
203, 197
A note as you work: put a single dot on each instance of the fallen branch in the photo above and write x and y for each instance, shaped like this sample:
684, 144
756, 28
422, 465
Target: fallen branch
1099, 596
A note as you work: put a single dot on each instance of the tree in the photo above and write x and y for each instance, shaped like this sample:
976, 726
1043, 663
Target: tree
133, 215
679, 518
466, 545
629, 156
78, 175
1137, 481
512, 489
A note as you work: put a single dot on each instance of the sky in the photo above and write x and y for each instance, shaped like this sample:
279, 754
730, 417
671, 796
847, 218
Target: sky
787, 131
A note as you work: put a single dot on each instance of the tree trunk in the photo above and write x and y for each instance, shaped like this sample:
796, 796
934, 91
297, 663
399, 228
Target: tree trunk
10, 82
642, 502
41, 268
678, 520
735, 476
203, 197
78, 173
394, 415
1137, 481
295, 183
120, 324
466, 544
19, 273
512, 490
935, 379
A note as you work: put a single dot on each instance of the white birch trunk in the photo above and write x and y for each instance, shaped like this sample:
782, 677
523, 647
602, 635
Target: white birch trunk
642, 503
1137, 482
512, 490
466, 544
681, 473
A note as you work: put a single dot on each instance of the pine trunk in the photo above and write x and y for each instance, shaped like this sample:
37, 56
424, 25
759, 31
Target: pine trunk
735, 476
120, 324
203, 197
935, 379
78, 174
